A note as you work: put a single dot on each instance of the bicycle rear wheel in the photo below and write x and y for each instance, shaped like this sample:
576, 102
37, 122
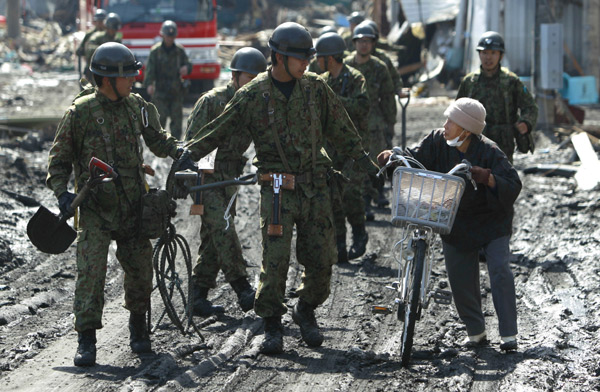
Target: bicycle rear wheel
412, 309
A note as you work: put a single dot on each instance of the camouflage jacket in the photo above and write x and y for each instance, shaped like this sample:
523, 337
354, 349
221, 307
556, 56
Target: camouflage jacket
163, 67
380, 89
312, 115
484, 214
351, 88
506, 101
97, 39
396, 80
80, 136
229, 161
81, 49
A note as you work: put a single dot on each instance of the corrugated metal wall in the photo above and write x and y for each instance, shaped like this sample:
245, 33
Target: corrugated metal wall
519, 29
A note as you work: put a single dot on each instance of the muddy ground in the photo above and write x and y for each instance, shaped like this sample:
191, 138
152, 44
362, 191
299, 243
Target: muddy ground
554, 250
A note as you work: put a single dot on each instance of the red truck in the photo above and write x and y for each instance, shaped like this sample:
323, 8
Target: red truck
196, 25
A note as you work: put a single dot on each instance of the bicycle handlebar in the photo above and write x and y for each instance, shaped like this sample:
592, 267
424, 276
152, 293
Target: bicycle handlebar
464, 167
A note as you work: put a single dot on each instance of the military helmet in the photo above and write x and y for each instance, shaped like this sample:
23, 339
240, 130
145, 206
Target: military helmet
113, 59
100, 14
113, 21
356, 17
249, 60
373, 26
330, 44
327, 29
292, 39
491, 40
168, 28
363, 30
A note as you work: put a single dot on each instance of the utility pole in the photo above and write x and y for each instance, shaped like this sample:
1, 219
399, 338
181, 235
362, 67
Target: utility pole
12, 19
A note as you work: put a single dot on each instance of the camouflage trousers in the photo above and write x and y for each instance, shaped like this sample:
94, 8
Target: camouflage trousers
315, 249
220, 249
170, 107
134, 255
377, 143
348, 202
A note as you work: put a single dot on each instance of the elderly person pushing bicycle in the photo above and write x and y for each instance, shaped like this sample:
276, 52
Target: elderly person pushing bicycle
483, 221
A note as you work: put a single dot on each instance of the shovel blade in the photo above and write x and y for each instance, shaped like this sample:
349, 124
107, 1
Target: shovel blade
49, 233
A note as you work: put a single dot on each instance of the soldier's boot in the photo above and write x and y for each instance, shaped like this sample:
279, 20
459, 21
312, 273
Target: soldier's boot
382, 201
359, 241
139, 336
86, 350
245, 293
341, 248
202, 306
369, 214
273, 339
303, 314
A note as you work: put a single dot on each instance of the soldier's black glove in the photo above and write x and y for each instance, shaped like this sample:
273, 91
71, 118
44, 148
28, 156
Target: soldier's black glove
371, 168
64, 203
185, 162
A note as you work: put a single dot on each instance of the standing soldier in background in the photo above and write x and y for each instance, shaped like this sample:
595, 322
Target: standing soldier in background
98, 22
112, 25
109, 123
396, 80
290, 114
381, 95
167, 65
351, 87
220, 247
354, 20
511, 110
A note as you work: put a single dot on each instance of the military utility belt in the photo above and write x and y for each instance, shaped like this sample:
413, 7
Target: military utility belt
281, 181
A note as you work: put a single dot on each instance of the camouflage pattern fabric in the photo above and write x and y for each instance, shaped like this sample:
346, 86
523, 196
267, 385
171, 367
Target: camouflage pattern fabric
162, 70
81, 48
111, 210
347, 36
219, 249
308, 205
397, 82
381, 93
351, 88
506, 101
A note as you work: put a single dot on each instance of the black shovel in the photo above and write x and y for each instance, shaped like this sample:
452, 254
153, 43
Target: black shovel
51, 233
404, 105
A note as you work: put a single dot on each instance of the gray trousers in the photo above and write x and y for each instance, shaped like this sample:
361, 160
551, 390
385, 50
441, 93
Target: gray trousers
463, 273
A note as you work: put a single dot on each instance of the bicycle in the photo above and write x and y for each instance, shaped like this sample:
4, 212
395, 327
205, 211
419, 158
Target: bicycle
424, 203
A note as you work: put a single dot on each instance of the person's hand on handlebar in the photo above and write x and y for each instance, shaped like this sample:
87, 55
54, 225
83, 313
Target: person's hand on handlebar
384, 157
481, 175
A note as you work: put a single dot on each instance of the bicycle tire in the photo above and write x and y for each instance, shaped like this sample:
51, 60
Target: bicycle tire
411, 314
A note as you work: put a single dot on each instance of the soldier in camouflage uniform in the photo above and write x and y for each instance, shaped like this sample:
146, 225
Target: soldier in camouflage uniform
109, 123
98, 22
220, 248
110, 33
381, 95
351, 87
167, 65
511, 110
289, 116
354, 20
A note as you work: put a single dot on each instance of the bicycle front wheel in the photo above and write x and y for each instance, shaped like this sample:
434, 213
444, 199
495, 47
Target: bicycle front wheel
412, 309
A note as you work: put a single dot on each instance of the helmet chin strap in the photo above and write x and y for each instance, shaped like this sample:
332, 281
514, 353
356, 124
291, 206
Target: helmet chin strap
113, 84
285, 65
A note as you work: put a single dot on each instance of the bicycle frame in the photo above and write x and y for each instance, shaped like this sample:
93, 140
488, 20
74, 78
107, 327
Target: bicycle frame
404, 256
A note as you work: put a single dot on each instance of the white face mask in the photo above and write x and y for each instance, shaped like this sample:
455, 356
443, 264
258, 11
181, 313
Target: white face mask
455, 142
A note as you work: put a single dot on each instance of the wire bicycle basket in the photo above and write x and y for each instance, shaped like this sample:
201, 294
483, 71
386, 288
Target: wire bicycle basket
425, 198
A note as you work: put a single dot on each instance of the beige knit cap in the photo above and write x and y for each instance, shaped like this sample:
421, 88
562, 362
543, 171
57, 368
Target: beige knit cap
468, 113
